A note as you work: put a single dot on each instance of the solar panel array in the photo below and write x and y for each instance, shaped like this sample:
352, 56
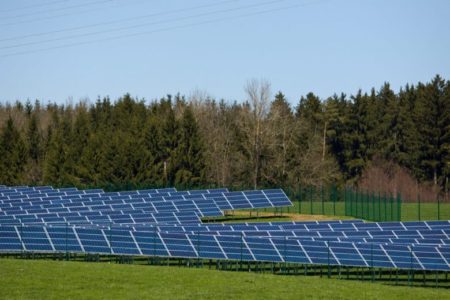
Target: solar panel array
44, 205
167, 223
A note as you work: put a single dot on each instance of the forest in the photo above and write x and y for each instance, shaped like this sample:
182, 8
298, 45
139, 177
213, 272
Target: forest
263, 140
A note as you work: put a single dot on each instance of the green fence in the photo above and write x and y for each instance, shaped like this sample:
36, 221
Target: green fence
335, 201
338, 201
371, 206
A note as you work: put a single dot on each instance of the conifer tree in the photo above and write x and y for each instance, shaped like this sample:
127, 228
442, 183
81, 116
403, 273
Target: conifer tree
281, 121
189, 153
169, 141
34, 150
432, 111
12, 154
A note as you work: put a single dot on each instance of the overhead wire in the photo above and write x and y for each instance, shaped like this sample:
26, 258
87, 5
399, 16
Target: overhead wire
117, 21
68, 14
141, 25
130, 35
90, 3
33, 6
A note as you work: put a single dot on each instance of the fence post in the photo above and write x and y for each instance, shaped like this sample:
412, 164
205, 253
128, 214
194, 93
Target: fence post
110, 239
363, 205
242, 251
300, 200
154, 242
418, 205
322, 196
360, 199
352, 213
284, 253
346, 206
21, 234
438, 207
311, 200
373, 206
379, 206
67, 233
365, 208
352, 201
392, 207
366, 205
329, 267
371, 262
411, 266
198, 248
291, 195
333, 188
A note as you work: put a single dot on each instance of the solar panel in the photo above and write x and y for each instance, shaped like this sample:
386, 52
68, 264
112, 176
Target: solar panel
166, 222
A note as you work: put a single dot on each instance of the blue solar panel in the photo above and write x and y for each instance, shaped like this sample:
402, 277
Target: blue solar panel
166, 222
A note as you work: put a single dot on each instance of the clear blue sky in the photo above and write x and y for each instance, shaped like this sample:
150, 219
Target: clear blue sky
320, 46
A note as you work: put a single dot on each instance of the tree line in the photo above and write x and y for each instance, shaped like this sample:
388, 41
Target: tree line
262, 141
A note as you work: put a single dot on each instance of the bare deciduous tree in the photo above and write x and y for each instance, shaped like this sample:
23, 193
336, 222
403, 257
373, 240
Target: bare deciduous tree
258, 93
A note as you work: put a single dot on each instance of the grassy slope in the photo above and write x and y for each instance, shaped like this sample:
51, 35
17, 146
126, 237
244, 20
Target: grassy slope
74, 280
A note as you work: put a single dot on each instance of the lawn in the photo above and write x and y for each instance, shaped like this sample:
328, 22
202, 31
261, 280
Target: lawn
39, 279
409, 211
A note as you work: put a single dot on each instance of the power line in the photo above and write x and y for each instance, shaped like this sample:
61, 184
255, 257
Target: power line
117, 21
33, 6
124, 36
64, 15
141, 25
58, 9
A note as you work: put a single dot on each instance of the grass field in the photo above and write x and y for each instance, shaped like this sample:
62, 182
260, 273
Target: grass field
409, 211
39, 279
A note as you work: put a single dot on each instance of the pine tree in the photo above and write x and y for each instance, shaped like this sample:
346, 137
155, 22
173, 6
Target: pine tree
12, 154
152, 168
309, 110
389, 127
169, 141
406, 130
59, 165
189, 153
355, 141
432, 113
281, 150
445, 125
34, 150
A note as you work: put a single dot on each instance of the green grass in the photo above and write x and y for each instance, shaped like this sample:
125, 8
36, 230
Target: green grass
409, 212
428, 211
32, 279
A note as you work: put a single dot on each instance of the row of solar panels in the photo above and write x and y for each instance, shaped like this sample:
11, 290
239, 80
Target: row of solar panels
435, 237
436, 232
222, 197
167, 223
233, 247
128, 207
323, 226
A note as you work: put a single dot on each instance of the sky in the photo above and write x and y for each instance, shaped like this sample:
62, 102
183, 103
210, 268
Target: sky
67, 50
